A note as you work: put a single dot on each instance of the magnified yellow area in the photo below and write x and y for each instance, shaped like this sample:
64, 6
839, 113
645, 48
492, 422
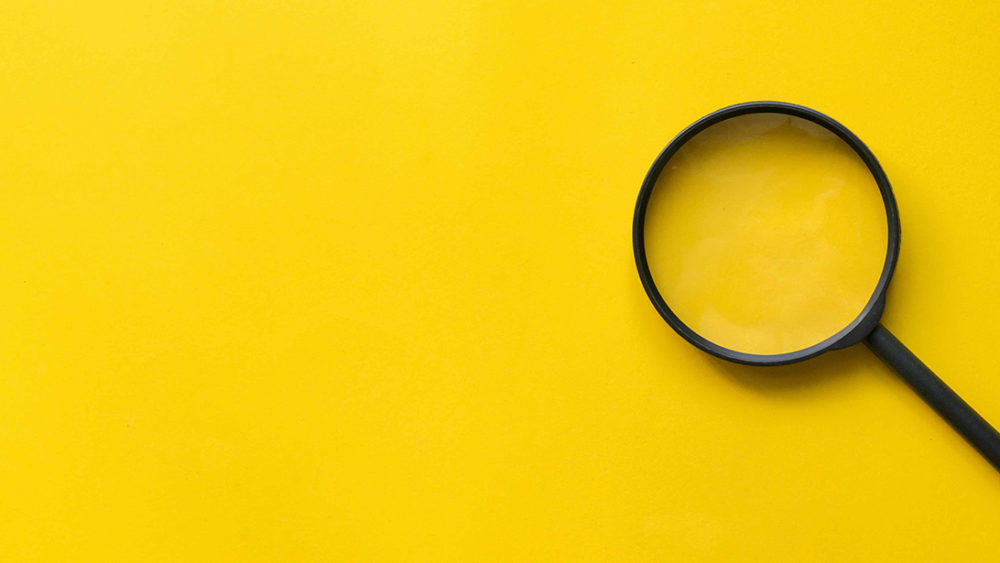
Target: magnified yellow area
766, 234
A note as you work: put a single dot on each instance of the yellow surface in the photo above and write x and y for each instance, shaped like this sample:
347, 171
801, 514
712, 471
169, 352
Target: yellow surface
766, 234
298, 281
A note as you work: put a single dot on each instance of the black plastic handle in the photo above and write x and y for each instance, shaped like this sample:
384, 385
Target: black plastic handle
946, 402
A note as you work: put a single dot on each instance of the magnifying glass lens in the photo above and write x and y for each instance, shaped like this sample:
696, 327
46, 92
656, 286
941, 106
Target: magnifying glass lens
766, 234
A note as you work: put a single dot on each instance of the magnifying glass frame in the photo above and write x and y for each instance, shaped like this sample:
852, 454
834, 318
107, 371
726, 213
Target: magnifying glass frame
856, 330
962, 417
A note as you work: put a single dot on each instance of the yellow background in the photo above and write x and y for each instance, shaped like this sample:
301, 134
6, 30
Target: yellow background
353, 281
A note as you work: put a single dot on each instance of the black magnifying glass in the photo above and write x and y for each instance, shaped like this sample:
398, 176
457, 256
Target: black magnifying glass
766, 233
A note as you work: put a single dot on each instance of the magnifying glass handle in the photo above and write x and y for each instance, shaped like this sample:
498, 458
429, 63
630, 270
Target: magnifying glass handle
937, 394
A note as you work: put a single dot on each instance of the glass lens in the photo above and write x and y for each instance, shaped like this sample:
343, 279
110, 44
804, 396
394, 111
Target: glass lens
766, 234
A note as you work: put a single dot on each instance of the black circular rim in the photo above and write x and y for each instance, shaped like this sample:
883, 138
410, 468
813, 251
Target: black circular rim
856, 329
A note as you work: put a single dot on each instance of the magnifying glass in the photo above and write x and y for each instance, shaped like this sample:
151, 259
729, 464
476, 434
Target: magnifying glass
766, 233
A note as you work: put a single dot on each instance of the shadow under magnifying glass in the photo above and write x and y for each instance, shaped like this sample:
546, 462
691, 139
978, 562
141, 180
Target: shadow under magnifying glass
834, 366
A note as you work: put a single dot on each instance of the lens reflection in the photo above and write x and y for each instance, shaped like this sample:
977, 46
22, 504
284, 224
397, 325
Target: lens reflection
766, 234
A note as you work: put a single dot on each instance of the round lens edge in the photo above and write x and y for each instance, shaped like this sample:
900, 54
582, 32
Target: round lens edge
856, 329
